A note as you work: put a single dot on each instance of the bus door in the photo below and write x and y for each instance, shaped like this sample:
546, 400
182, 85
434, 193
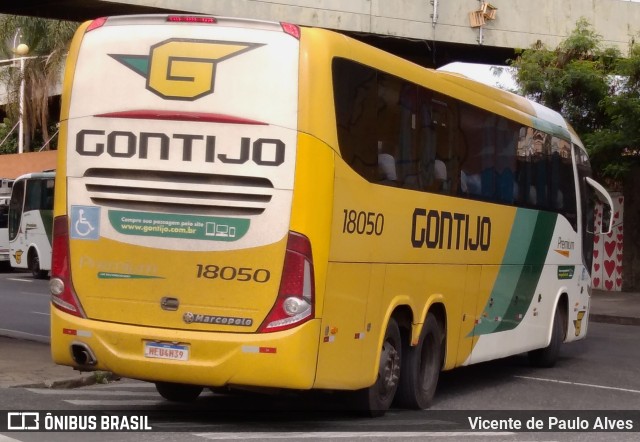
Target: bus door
16, 242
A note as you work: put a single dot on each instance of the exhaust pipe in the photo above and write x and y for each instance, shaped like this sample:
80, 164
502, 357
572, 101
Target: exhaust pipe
82, 354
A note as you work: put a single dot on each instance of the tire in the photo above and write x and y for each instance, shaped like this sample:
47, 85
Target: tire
421, 367
178, 392
548, 356
376, 400
34, 266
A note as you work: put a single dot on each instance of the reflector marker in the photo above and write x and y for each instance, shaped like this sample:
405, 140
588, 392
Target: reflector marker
73, 332
256, 349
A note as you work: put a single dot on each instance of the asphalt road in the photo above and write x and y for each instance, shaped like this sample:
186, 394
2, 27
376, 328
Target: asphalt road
599, 373
25, 306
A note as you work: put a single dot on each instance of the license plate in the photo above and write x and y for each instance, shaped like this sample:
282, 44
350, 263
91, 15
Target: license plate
161, 350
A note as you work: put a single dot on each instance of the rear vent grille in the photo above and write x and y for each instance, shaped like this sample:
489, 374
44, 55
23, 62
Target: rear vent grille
178, 192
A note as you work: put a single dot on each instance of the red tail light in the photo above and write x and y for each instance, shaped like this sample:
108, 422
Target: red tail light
97, 23
296, 297
291, 29
62, 294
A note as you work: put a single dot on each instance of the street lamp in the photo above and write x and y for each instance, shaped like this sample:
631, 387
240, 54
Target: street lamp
21, 51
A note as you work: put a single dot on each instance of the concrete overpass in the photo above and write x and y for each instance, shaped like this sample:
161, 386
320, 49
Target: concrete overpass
431, 32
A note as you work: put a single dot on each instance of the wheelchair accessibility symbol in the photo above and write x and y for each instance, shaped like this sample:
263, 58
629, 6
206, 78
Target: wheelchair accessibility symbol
85, 222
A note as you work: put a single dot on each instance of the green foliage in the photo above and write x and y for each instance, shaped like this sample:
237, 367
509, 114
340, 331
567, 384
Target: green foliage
48, 41
10, 138
596, 89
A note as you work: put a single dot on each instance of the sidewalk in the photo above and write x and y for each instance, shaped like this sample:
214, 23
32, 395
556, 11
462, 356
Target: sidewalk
615, 307
28, 363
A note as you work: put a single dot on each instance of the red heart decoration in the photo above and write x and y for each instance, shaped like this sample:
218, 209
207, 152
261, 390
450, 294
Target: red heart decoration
620, 237
596, 239
621, 200
619, 247
608, 285
609, 267
617, 215
610, 247
596, 266
619, 256
596, 282
619, 282
619, 270
596, 253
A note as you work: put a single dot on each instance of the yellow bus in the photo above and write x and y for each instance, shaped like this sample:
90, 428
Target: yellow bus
253, 204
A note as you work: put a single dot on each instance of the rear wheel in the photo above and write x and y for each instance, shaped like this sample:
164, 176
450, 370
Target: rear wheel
377, 399
178, 392
34, 266
421, 367
548, 356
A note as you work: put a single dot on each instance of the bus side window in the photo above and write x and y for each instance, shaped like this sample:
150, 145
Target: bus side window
438, 132
15, 209
4, 216
407, 135
47, 194
386, 128
476, 174
356, 99
505, 164
34, 195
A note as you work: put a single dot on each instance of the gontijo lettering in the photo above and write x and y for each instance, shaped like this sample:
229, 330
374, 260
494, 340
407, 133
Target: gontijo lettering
451, 231
125, 144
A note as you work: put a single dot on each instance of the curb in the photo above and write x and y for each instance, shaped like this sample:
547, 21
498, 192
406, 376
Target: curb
610, 319
99, 377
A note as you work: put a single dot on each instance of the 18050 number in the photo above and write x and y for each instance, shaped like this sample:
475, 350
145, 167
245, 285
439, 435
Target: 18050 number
229, 273
362, 223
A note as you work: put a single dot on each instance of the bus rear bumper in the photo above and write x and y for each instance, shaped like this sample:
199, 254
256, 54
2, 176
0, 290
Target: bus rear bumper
285, 359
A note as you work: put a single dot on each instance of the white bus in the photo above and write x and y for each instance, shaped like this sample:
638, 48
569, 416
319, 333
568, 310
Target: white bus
5, 195
30, 223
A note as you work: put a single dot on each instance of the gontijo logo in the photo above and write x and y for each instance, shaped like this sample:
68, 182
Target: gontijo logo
183, 69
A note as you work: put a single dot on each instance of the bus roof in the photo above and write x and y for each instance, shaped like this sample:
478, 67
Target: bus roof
544, 118
37, 175
328, 44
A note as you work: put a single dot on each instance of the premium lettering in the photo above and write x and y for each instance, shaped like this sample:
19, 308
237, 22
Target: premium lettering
435, 229
186, 147
565, 245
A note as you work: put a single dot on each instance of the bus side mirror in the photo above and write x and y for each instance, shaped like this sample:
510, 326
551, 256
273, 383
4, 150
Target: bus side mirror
605, 198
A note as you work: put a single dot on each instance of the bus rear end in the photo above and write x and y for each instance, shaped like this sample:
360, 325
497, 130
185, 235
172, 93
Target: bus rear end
174, 260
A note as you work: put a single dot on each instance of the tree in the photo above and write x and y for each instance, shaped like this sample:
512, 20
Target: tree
48, 41
598, 91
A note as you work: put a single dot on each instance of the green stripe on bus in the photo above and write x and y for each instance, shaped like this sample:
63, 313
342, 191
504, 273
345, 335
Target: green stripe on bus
550, 128
518, 277
530, 276
47, 222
